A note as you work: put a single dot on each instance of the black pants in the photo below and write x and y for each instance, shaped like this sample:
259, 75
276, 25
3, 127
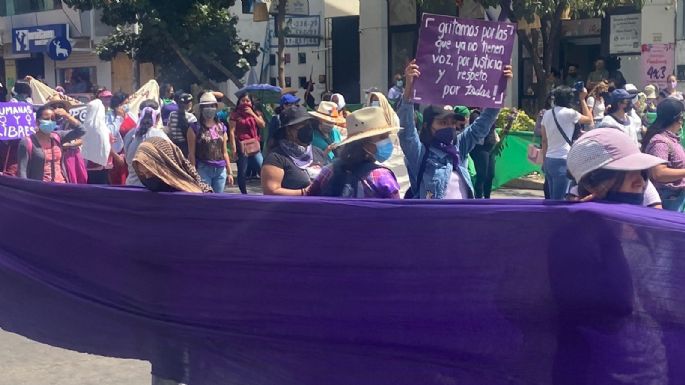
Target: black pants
98, 176
484, 161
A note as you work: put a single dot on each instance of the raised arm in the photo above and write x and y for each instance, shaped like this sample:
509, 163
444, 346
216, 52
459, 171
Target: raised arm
409, 135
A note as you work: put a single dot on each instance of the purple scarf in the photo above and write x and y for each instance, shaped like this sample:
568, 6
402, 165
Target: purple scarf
450, 150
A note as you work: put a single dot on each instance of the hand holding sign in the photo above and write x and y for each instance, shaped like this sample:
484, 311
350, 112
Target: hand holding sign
464, 61
411, 73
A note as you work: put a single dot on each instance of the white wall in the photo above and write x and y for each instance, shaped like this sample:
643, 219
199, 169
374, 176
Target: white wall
373, 40
316, 56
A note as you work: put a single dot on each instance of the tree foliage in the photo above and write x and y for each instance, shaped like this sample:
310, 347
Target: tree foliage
189, 41
548, 35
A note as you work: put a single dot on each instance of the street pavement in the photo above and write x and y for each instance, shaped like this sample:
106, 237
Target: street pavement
25, 362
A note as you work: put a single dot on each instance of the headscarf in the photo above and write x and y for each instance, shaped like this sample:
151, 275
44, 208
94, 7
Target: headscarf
164, 160
390, 116
96, 141
341, 101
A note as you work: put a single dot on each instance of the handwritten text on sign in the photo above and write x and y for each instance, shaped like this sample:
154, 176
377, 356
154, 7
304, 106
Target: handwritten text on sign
17, 120
461, 61
658, 61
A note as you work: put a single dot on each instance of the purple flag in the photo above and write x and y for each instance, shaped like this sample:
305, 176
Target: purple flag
222, 289
461, 61
17, 120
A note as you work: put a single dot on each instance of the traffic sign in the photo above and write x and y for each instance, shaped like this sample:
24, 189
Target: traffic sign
59, 48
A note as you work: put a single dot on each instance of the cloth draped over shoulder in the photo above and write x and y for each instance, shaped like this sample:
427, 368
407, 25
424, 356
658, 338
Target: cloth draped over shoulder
197, 292
163, 159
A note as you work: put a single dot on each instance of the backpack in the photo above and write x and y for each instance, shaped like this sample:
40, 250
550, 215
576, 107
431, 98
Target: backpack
354, 182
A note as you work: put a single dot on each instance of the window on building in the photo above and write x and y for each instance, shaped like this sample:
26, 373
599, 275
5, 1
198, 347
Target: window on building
248, 6
302, 58
15, 7
77, 80
287, 58
288, 81
303, 81
273, 81
272, 60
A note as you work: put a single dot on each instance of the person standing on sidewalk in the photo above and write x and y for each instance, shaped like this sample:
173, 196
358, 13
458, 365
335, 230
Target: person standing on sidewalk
245, 123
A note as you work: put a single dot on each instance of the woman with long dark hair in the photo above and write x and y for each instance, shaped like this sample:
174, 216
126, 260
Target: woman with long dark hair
148, 127
245, 123
208, 146
357, 172
663, 141
293, 162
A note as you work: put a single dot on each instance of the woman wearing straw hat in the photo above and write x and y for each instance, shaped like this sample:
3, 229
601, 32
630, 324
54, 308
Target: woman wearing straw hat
327, 135
357, 172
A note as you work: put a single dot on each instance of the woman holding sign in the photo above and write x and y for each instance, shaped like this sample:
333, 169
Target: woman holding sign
436, 154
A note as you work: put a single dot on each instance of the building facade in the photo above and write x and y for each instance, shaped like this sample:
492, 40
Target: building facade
309, 49
26, 29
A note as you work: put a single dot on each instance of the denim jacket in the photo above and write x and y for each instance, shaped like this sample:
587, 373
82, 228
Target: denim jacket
438, 170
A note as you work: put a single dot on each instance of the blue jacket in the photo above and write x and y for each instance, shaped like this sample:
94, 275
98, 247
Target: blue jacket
438, 170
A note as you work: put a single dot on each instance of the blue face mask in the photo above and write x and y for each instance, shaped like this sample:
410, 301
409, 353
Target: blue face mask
445, 135
47, 126
628, 198
399, 83
384, 149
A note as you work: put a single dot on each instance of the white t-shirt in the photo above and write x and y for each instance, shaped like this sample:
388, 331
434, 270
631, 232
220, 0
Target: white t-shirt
456, 188
597, 107
631, 128
557, 147
651, 198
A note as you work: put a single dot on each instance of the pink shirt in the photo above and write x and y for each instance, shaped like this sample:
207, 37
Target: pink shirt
667, 147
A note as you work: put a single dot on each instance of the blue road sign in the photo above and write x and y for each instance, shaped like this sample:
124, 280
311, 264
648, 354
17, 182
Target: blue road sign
59, 48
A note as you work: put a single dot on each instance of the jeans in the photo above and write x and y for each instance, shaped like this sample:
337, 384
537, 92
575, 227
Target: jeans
213, 176
672, 200
255, 160
484, 161
556, 178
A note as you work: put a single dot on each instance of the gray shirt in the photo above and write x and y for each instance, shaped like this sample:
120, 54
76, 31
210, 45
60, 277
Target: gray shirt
32, 165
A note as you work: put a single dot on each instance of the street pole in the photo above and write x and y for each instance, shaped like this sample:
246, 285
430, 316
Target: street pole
136, 66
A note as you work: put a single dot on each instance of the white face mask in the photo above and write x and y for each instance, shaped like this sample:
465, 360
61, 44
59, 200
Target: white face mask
375, 103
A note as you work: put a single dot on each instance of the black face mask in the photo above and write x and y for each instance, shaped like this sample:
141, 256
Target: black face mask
306, 134
155, 184
626, 198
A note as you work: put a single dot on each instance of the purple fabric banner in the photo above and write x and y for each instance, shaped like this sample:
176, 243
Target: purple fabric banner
17, 120
461, 61
261, 290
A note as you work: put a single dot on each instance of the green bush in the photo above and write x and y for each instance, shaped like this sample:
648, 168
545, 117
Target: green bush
522, 121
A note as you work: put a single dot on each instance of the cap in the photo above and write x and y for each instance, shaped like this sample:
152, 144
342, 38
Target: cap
434, 111
650, 91
208, 98
631, 89
105, 94
668, 111
462, 111
295, 115
289, 99
185, 98
607, 148
620, 94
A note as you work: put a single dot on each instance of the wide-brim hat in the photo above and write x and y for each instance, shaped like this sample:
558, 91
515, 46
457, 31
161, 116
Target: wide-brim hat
328, 112
607, 148
366, 123
208, 98
57, 101
294, 115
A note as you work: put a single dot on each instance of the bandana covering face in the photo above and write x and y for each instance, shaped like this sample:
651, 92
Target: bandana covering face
301, 156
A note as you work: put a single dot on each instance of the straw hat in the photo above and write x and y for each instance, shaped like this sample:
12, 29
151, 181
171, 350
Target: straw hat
208, 98
328, 112
365, 123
